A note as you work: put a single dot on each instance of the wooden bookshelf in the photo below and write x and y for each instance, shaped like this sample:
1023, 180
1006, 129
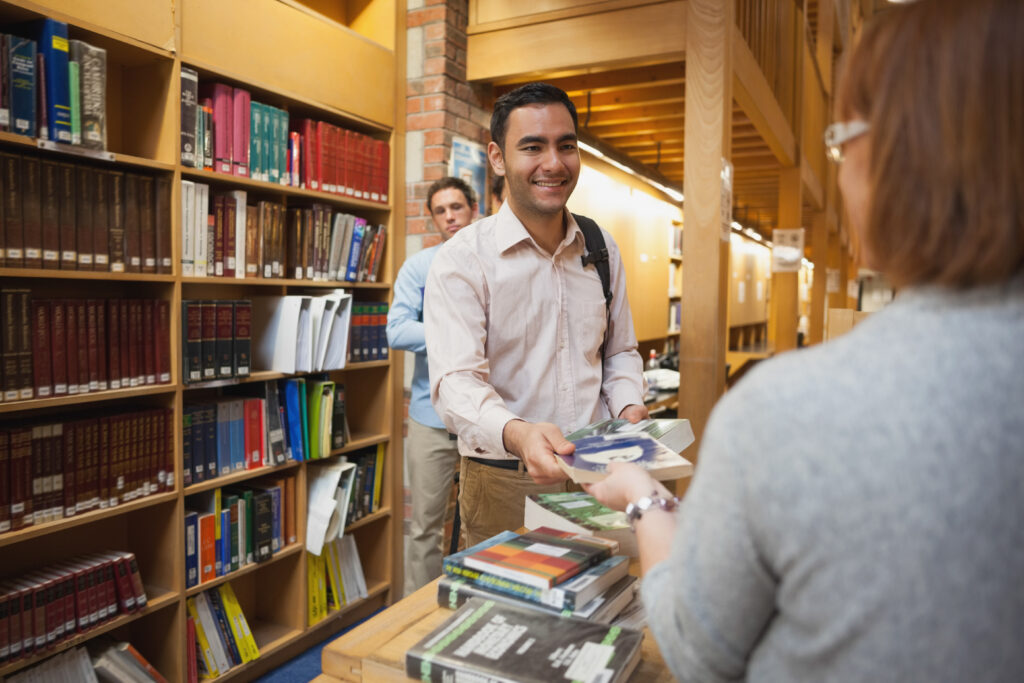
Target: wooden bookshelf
340, 76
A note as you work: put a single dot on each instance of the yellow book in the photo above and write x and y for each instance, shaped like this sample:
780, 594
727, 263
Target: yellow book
336, 599
378, 476
204, 644
314, 581
239, 626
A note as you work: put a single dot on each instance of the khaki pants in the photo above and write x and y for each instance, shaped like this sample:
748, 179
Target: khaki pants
432, 458
491, 499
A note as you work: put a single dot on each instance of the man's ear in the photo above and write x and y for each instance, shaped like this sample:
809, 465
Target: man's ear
496, 158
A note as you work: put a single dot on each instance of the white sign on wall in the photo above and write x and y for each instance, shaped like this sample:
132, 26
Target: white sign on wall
787, 250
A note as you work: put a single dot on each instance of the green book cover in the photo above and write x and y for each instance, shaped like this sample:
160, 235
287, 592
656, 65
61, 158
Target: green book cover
320, 410
231, 503
76, 103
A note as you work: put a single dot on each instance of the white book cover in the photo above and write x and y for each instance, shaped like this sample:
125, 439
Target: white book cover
200, 211
239, 197
188, 249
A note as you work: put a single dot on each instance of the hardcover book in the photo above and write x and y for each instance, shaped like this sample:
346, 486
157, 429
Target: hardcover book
488, 641
589, 462
92, 68
53, 46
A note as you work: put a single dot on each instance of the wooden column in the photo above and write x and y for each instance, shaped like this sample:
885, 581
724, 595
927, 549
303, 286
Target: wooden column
709, 32
823, 42
785, 305
819, 256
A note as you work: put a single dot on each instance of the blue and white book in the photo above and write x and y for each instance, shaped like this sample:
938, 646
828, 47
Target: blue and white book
589, 462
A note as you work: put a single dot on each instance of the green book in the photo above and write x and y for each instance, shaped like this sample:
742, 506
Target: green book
321, 413
580, 513
231, 503
76, 103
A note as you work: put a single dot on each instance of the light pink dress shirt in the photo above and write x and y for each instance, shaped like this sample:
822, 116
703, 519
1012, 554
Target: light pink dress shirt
514, 332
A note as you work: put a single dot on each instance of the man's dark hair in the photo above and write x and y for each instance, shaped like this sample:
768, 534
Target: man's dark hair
531, 93
450, 182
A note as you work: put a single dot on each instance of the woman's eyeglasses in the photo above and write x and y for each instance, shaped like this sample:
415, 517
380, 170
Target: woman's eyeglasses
841, 132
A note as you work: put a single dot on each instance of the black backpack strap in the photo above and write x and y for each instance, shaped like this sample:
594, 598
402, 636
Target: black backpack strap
596, 253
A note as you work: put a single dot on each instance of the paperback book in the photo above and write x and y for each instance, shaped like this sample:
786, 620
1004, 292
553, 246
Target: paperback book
580, 513
589, 462
487, 640
674, 434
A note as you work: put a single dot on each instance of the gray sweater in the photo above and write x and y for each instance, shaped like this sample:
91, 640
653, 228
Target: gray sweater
858, 508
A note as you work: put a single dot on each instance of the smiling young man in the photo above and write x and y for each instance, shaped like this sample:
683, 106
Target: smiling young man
430, 454
522, 348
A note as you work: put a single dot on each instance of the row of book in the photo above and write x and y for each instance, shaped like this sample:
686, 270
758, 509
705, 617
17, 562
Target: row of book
78, 217
551, 596
339, 493
334, 578
263, 425
112, 661
54, 88
303, 333
223, 236
369, 332
58, 347
216, 339
56, 470
48, 606
232, 527
224, 130
219, 637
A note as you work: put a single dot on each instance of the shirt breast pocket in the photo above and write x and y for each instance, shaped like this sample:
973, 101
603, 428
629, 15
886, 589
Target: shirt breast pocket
588, 322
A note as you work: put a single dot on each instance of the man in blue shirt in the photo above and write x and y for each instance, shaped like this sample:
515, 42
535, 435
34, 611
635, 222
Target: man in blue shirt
431, 456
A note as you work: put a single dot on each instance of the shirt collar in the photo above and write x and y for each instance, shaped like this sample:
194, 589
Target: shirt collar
511, 231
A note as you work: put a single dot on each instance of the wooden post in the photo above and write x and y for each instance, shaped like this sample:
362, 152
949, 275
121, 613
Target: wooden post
785, 305
823, 41
819, 256
709, 35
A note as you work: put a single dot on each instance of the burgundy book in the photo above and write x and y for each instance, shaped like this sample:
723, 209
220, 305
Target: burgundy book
31, 212
113, 347
219, 236
71, 348
225, 334
162, 223
92, 341
230, 210
136, 340
307, 129
117, 234
42, 356
59, 347
319, 169
166, 448
211, 233
101, 344
39, 465
9, 356
26, 380
223, 149
263, 245
5, 511
252, 242
240, 105
69, 468
56, 470
132, 229
96, 444
149, 341
14, 237
209, 337
243, 338
66, 216
21, 478
124, 342
5, 631
100, 220
85, 192
82, 346
293, 258
147, 227
106, 464
50, 213
162, 341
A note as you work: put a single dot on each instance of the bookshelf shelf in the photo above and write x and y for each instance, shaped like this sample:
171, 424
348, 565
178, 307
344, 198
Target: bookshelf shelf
268, 375
369, 519
361, 441
156, 599
101, 276
288, 551
270, 282
276, 188
235, 477
91, 397
113, 158
36, 530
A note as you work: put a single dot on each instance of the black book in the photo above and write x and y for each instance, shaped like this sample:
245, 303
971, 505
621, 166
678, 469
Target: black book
208, 418
191, 341
208, 337
189, 100
186, 446
263, 525
339, 422
517, 643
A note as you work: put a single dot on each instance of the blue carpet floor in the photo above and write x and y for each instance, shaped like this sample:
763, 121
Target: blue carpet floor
306, 666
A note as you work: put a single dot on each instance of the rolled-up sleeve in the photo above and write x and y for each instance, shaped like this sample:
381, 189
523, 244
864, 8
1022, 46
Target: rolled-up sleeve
623, 382
455, 312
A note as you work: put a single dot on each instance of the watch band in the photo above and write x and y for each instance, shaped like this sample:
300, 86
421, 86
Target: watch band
636, 509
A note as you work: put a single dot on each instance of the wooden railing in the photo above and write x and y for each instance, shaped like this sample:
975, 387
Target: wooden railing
773, 29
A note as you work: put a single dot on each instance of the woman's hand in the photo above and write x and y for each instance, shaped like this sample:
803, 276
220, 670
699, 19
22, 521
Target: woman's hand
624, 484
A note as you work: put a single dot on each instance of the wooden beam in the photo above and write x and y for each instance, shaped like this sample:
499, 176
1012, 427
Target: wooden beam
756, 99
640, 128
633, 115
703, 339
599, 82
620, 99
635, 35
813, 185
785, 305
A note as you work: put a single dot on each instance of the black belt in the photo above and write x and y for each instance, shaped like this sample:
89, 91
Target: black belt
500, 464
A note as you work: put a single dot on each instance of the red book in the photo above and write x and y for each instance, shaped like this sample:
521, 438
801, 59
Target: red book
346, 154
162, 341
102, 372
209, 337
124, 342
219, 236
69, 469
85, 198
148, 332
294, 158
59, 347
101, 220
309, 179
223, 148
38, 474
66, 217
71, 320
131, 223
82, 348
192, 664
5, 514
50, 214
113, 349
225, 333
42, 355
207, 547
166, 447
147, 226
162, 224
135, 341
254, 447
92, 337
240, 105
321, 171
229, 234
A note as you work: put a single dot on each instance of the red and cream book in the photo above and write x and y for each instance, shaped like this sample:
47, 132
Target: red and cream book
102, 371
59, 347
124, 342
148, 354
240, 122
117, 234
42, 354
92, 342
69, 467
81, 347
162, 341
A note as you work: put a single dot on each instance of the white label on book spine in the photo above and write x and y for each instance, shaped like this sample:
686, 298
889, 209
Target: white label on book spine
589, 664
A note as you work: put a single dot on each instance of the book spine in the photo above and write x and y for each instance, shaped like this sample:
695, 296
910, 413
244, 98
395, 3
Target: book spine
209, 339
22, 63
53, 45
242, 338
162, 341
66, 216
189, 102
240, 131
41, 351
147, 226
223, 143
85, 192
49, 215
14, 235
162, 224
92, 65
225, 327
26, 381
101, 220
149, 340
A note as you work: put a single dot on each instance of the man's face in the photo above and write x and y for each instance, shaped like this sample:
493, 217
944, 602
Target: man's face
541, 161
450, 211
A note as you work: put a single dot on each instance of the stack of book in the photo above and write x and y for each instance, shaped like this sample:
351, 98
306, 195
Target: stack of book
120, 662
220, 632
335, 578
557, 572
